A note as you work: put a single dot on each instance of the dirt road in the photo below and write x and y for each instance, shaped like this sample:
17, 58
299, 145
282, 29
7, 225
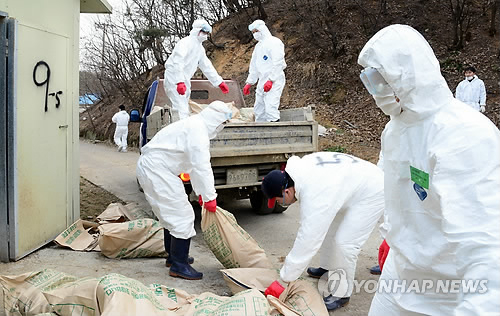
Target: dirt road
115, 172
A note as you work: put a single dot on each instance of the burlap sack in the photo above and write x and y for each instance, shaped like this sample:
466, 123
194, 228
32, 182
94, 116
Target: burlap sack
134, 239
247, 115
299, 298
198, 107
249, 303
114, 213
77, 237
242, 279
119, 295
23, 294
118, 213
230, 243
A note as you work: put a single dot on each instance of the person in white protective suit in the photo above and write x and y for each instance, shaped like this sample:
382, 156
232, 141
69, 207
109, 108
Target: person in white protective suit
341, 199
187, 56
121, 119
471, 90
441, 162
181, 147
266, 67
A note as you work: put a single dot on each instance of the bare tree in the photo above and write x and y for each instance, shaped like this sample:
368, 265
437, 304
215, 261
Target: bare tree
461, 18
493, 17
326, 20
371, 16
127, 46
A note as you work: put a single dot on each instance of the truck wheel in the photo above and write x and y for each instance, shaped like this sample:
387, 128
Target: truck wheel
259, 203
279, 209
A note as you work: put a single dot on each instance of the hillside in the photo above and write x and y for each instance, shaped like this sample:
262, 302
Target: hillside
322, 44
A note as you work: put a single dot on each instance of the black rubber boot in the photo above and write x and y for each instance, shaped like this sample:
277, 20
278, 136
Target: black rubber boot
375, 270
166, 242
334, 303
316, 272
179, 256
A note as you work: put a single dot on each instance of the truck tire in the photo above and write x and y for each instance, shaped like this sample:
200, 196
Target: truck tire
259, 203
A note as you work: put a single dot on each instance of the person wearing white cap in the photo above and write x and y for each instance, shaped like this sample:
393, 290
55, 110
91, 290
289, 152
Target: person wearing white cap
121, 119
441, 162
341, 198
181, 147
187, 56
266, 67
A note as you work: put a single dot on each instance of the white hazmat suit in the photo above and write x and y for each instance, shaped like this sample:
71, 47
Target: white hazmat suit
472, 93
341, 199
187, 56
267, 63
121, 120
441, 162
181, 147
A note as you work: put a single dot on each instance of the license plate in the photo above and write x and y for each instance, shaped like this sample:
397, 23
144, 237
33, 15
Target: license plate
241, 175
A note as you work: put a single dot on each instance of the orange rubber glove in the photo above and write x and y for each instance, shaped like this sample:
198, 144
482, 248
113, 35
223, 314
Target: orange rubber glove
275, 289
211, 206
383, 250
246, 89
181, 88
268, 85
224, 88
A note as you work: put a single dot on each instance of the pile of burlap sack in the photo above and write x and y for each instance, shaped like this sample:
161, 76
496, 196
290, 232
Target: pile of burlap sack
49, 292
120, 233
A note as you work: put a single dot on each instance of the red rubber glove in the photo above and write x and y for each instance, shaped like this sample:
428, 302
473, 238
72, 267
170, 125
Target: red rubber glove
268, 85
181, 88
246, 89
211, 206
275, 289
224, 88
200, 200
383, 250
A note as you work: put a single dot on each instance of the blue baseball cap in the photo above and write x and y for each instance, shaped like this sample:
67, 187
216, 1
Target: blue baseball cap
272, 186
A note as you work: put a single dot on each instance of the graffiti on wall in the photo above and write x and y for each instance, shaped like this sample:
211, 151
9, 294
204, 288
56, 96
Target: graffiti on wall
45, 82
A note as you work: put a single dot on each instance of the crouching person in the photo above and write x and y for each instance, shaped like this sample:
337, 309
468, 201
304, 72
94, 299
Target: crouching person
181, 147
341, 199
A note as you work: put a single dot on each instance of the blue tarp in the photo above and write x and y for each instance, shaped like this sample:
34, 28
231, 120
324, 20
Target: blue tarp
147, 110
88, 99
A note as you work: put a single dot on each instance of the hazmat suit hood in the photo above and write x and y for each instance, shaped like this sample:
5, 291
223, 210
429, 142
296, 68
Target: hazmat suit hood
261, 27
214, 115
406, 61
199, 25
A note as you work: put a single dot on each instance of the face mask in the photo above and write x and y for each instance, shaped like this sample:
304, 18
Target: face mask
202, 37
388, 105
469, 77
257, 36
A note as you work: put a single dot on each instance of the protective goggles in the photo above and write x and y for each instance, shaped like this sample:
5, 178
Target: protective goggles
206, 29
373, 81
